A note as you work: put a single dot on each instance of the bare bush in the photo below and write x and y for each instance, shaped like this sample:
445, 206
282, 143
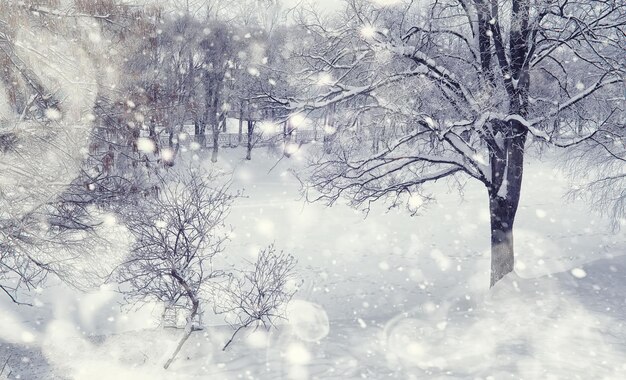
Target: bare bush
257, 297
177, 236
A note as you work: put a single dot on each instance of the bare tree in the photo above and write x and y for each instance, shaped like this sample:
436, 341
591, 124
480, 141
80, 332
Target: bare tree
35, 244
259, 295
177, 236
47, 90
598, 168
218, 49
454, 90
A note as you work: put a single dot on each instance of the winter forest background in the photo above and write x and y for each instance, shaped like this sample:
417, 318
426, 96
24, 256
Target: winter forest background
350, 189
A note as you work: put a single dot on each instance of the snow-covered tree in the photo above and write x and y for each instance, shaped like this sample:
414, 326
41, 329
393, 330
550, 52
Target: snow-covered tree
456, 89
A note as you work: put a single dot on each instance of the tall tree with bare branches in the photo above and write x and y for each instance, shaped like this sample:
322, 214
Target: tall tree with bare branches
455, 89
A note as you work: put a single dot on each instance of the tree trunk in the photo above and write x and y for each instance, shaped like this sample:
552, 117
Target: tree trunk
195, 302
507, 167
250, 136
201, 135
216, 128
502, 254
174, 146
330, 123
188, 330
240, 134
235, 333
506, 158
216, 143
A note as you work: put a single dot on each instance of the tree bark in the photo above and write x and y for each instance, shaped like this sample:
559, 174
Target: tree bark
199, 132
216, 143
507, 158
174, 146
330, 122
502, 252
240, 134
250, 137
507, 166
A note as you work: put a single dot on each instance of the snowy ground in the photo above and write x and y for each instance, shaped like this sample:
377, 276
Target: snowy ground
387, 296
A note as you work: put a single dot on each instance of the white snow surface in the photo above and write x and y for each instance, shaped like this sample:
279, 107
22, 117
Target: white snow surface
384, 297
